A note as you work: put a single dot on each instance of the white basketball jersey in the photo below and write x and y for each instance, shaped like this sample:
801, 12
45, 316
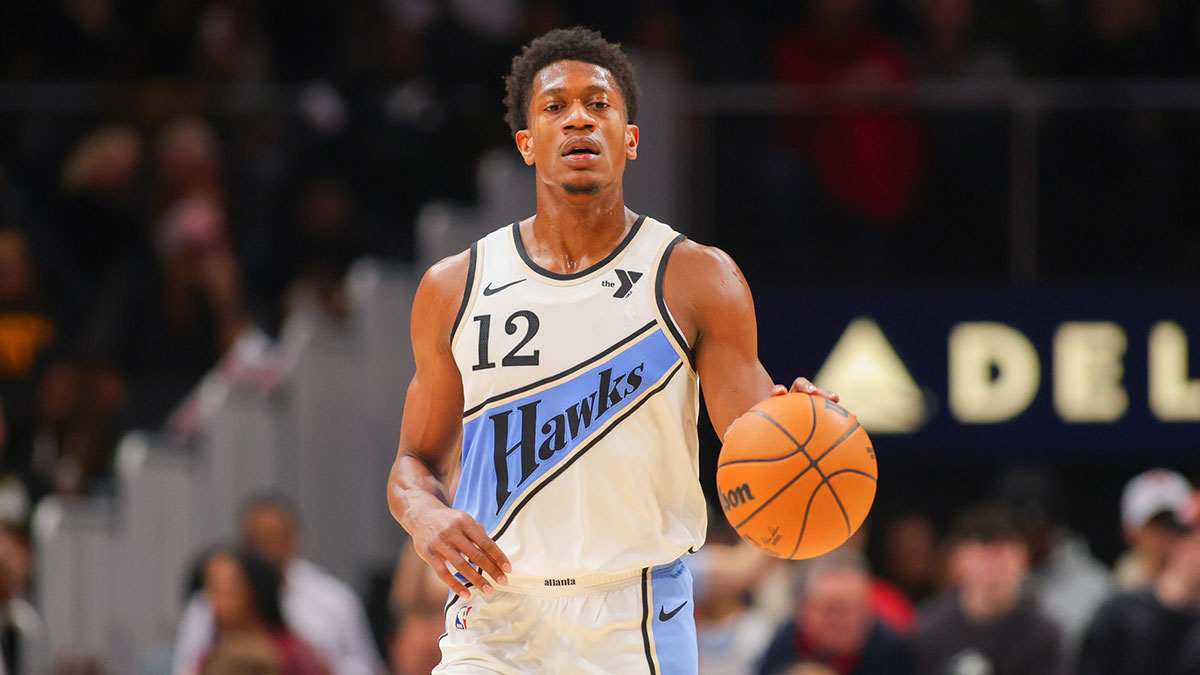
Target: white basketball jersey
580, 405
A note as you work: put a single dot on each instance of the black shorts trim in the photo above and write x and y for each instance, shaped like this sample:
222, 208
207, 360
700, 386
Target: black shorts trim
646, 619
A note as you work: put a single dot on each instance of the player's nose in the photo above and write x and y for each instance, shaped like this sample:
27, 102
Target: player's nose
578, 117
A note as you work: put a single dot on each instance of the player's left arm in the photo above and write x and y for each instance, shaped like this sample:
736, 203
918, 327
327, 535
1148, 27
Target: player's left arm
711, 301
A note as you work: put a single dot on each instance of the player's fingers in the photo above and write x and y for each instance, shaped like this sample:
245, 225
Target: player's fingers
492, 559
438, 563
779, 390
802, 384
464, 567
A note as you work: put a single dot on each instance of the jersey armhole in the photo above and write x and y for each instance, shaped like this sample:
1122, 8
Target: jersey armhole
468, 293
664, 313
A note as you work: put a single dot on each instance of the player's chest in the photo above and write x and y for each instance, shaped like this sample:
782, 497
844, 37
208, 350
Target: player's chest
519, 327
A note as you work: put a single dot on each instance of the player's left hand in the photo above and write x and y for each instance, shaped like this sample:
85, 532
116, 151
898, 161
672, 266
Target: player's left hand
803, 386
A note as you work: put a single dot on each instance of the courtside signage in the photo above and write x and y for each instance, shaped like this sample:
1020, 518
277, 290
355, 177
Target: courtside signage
1055, 371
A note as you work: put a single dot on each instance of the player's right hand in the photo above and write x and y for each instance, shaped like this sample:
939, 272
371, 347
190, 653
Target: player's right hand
445, 535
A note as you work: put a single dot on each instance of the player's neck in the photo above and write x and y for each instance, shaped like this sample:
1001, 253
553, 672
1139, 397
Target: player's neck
573, 233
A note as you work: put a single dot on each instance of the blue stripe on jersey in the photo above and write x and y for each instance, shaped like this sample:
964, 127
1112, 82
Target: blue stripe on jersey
506, 449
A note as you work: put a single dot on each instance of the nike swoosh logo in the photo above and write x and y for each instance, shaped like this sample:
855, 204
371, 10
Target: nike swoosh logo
666, 616
488, 290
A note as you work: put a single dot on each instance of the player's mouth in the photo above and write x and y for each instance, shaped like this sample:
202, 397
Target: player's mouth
580, 152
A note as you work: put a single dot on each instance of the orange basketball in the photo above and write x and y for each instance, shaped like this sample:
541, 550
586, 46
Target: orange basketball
796, 475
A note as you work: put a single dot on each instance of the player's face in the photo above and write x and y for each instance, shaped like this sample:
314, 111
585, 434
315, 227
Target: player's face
578, 135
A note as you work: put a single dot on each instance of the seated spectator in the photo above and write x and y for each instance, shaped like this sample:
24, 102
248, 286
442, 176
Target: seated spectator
1065, 582
250, 633
911, 559
177, 318
322, 610
1148, 505
834, 626
985, 625
413, 642
869, 161
1155, 629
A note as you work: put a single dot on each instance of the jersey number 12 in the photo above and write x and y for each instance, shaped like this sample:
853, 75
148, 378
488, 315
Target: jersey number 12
513, 358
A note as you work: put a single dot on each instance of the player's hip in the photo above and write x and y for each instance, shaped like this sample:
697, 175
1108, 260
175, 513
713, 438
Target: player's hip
642, 623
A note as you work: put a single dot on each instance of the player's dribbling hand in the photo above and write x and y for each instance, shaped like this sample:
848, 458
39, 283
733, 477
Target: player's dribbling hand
444, 535
800, 386
803, 386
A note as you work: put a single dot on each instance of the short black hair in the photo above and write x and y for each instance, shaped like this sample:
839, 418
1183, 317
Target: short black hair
271, 500
986, 523
565, 44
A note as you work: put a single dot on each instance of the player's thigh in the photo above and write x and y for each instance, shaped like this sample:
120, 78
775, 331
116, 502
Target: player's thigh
645, 628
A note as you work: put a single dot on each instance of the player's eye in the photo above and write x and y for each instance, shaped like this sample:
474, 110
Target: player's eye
600, 105
553, 107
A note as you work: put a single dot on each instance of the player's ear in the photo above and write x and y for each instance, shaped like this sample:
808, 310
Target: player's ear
525, 145
631, 141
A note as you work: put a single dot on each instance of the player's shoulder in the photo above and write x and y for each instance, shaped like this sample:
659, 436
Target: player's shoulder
705, 271
692, 257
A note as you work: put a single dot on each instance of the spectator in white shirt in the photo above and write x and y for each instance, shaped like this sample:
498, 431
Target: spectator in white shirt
321, 609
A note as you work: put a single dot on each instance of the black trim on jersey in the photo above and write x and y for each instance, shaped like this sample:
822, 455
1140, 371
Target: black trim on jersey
646, 618
516, 227
590, 444
462, 309
662, 303
547, 380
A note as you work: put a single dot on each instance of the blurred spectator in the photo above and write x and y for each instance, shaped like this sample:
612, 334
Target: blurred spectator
1148, 506
177, 319
910, 556
1154, 629
1066, 583
29, 339
321, 609
187, 165
834, 625
869, 161
1128, 38
950, 50
984, 625
732, 632
413, 643
250, 633
889, 604
22, 635
320, 251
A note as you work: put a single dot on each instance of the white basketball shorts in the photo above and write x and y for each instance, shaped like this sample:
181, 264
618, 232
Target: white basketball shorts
640, 622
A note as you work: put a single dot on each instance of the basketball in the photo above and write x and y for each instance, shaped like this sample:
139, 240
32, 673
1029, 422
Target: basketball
796, 475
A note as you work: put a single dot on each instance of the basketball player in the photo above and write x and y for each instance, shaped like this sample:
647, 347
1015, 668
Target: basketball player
566, 351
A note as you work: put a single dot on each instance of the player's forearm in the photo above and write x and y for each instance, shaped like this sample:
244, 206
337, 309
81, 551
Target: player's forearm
413, 486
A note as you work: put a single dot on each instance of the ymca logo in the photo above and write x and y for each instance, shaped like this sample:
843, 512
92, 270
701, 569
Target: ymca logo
460, 619
736, 497
557, 431
626, 279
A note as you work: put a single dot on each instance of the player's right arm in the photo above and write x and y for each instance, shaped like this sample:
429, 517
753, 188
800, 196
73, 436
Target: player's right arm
429, 433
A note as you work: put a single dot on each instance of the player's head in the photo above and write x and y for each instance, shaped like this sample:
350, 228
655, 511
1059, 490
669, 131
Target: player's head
571, 103
989, 558
270, 527
835, 602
